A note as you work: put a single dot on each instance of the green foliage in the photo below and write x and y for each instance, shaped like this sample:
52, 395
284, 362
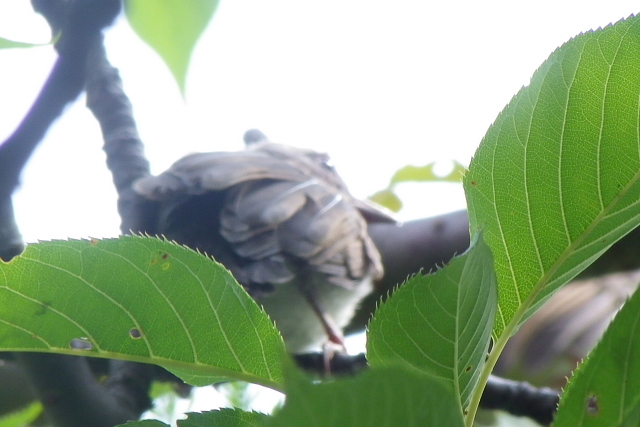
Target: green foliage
12, 44
605, 390
139, 299
555, 181
553, 184
224, 417
440, 324
389, 199
221, 418
379, 397
22, 418
171, 28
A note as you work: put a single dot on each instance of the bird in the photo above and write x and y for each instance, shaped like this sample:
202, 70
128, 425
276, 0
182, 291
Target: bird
283, 222
553, 341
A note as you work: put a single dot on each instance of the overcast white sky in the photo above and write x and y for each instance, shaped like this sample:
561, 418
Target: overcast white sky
376, 84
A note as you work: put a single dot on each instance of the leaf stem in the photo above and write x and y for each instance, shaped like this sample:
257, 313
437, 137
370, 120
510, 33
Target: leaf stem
499, 345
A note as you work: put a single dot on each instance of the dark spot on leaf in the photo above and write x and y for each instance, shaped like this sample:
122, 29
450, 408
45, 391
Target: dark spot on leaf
468, 369
473, 183
592, 405
44, 306
135, 333
165, 256
81, 344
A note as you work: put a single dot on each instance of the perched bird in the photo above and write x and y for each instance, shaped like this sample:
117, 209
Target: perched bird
283, 222
551, 343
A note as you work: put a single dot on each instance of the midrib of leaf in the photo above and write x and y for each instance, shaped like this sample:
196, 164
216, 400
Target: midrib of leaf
544, 280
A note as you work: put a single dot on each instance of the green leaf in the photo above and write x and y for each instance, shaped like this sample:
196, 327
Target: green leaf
440, 324
379, 397
23, 417
605, 390
171, 28
144, 423
555, 181
388, 199
427, 173
140, 299
11, 44
225, 417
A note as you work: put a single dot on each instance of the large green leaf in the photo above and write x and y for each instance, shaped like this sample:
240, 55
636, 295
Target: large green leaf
440, 324
171, 28
140, 299
605, 390
554, 182
379, 397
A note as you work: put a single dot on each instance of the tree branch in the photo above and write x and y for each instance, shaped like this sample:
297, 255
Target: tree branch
65, 384
122, 144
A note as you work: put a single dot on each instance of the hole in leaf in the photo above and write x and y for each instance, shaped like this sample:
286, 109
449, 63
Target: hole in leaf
135, 333
592, 405
81, 344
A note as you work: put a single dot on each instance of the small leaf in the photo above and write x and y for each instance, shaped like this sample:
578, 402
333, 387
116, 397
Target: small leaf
171, 28
440, 324
224, 417
11, 44
144, 423
379, 397
22, 417
556, 180
85, 297
388, 199
605, 389
426, 173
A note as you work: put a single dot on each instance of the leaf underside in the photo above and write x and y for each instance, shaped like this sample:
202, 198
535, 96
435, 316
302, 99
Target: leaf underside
555, 182
440, 324
141, 299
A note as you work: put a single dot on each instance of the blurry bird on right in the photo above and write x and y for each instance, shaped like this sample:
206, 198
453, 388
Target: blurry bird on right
551, 343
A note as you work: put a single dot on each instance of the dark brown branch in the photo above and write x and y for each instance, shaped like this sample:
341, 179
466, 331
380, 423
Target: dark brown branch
66, 385
72, 397
423, 244
520, 399
122, 144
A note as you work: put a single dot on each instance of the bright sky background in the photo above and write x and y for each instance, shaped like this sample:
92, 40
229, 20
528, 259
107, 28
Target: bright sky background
376, 84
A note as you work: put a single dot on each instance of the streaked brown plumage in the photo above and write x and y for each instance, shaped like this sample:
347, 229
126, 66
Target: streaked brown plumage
549, 345
282, 221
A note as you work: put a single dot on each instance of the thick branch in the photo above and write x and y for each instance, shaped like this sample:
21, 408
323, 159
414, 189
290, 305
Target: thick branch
423, 244
122, 144
72, 397
65, 384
